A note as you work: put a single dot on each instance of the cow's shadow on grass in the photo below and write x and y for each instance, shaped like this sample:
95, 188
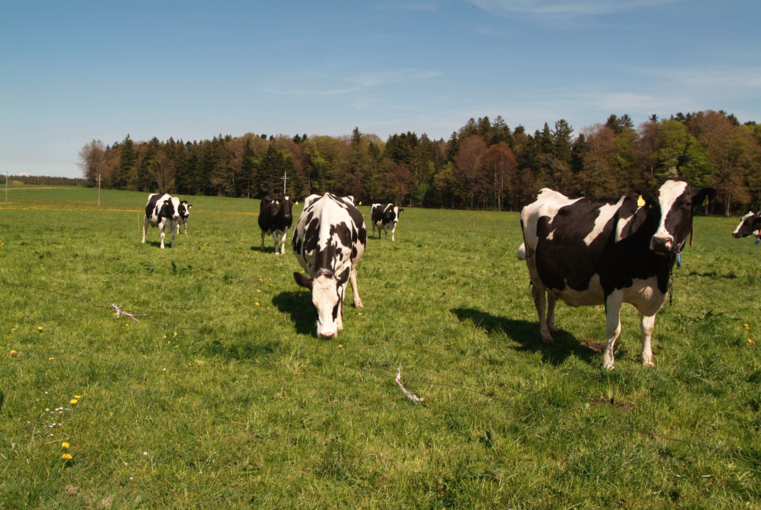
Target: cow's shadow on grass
300, 309
157, 244
526, 333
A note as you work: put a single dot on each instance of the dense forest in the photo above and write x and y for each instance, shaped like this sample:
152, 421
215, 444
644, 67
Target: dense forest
484, 165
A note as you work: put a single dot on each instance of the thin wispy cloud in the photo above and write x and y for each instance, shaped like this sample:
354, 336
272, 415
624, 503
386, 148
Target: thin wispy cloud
570, 8
356, 83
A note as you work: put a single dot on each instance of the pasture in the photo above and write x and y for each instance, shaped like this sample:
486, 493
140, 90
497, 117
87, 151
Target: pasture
223, 396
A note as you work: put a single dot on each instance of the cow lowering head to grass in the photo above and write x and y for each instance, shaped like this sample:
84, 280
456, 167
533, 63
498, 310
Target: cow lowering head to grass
589, 251
328, 241
384, 217
275, 217
749, 224
162, 211
184, 211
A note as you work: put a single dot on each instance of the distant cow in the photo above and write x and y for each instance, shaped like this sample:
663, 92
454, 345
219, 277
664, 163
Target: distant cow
275, 217
329, 240
383, 217
587, 252
184, 211
749, 224
162, 211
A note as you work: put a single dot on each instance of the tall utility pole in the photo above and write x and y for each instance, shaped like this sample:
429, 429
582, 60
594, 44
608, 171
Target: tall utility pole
285, 179
98, 190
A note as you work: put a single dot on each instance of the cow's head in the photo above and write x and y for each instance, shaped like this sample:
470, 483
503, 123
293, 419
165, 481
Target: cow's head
674, 203
286, 204
749, 223
171, 208
326, 290
184, 209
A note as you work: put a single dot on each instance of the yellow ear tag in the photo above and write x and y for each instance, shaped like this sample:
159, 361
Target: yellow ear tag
277, 203
705, 201
641, 201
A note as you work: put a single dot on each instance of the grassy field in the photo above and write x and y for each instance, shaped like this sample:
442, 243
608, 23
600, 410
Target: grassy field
222, 396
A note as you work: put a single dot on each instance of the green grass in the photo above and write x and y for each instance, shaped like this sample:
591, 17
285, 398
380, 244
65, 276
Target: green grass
224, 397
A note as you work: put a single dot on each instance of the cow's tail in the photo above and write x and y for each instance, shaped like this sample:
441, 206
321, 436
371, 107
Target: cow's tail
522, 252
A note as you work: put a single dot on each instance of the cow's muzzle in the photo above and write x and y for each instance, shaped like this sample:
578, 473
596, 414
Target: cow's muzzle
662, 245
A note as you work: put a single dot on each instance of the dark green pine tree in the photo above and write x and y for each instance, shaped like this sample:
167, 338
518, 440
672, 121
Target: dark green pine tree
207, 169
562, 141
127, 161
270, 171
247, 175
544, 140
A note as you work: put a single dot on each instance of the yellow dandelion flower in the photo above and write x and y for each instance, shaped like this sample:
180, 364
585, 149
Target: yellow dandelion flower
13, 330
340, 346
12, 352
77, 396
258, 290
73, 401
360, 313
51, 359
164, 336
39, 328
175, 333
747, 327
299, 294
66, 456
751, 342
257, 304
65, 445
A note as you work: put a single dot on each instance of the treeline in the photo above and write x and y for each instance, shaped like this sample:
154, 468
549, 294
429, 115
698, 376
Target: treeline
51, 181
483, 165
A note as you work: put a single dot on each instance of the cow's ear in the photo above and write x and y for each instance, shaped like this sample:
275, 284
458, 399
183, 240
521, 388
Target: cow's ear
704, 196
343, 277
302, 280
190, 206
166, 202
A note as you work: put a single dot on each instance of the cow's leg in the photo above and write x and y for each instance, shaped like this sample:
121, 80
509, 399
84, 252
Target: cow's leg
393, 229
612, 326
341, 299
178, 227
171, 227
282, 241
263, 234
354, 289
551, 300
277, 242
186, 228
537, 291
145, 227
162, 226
648, 323
385, 231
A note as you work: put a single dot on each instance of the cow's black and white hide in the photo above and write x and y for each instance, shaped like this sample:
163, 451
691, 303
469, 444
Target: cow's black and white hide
275, 217
328, 241
591, 252
162, 211
184, 211
384, 217
749, 224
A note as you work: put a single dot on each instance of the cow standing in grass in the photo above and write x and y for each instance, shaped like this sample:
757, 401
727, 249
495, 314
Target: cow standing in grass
184, 211
383, 217
589, 251
162, 211
329, 240
749, 224
275, 217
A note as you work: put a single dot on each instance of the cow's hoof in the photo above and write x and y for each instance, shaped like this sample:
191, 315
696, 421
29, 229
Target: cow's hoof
648, 364
359, 305
609, 365
553, 330
548, 340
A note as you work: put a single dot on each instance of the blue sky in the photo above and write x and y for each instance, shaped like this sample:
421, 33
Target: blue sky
71, 72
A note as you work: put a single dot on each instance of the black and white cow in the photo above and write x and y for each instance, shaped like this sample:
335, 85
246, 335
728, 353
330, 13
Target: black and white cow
184, 211
329, 240
162, 211
383, 217
750, 224
275, 217
592, 252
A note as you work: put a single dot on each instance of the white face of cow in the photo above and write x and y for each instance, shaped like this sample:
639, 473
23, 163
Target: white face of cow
675, 202
327, 304
749, 224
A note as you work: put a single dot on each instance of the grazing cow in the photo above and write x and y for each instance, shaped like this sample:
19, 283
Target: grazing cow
587, 251
184, 211
275, 217
162, 211
329, 240
383, 216
749, 224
